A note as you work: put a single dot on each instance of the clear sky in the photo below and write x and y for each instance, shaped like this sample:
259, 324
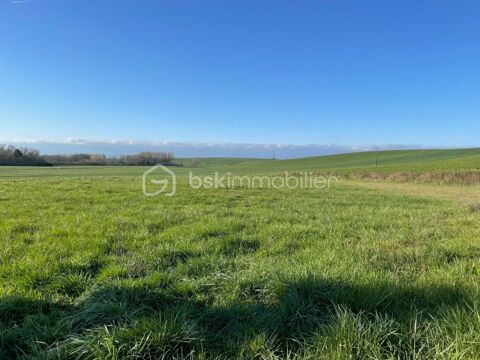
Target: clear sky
264, 72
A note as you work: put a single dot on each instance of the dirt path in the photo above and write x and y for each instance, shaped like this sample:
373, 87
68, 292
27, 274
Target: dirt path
465, 195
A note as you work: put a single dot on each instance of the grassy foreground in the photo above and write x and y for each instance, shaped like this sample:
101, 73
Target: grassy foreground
92, 269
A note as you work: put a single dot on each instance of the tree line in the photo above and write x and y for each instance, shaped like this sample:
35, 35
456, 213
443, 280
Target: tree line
10, 155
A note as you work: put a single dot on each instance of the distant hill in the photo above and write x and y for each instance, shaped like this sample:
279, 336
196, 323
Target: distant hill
392, 160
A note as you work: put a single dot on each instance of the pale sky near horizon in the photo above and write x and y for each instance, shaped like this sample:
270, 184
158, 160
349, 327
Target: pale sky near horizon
241, 72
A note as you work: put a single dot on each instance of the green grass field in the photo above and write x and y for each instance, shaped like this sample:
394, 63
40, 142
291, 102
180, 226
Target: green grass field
92, 269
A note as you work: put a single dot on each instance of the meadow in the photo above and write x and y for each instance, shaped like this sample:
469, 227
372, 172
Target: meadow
370, 268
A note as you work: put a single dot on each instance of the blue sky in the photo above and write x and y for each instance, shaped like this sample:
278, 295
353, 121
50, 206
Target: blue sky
336, 73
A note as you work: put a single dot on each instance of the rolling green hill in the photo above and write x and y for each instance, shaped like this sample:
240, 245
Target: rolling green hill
394, 160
